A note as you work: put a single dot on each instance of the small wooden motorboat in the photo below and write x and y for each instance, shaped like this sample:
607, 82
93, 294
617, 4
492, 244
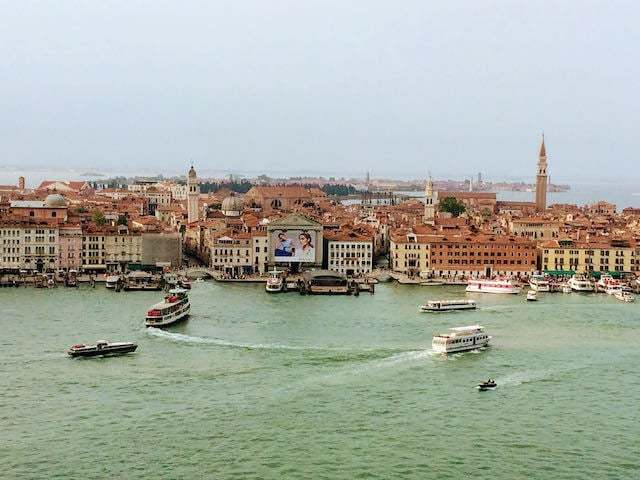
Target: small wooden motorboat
488, 385
532, 296
102, 348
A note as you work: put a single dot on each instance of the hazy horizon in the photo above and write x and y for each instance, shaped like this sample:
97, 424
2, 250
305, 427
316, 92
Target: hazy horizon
321, 87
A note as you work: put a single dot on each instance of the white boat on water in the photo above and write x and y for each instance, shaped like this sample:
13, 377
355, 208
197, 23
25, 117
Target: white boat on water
112, 281
461, 339
532, 296
625, 296
447, 305
174, 308
275, 282
613, 289
493, 286
431, 282
566, 288
578, 283
608, 284
539, 283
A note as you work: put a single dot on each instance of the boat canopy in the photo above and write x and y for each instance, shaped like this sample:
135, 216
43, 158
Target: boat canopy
614, 274
560, 273
175, 291
464, 329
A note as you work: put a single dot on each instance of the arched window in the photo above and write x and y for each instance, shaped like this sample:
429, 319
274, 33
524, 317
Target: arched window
276, 203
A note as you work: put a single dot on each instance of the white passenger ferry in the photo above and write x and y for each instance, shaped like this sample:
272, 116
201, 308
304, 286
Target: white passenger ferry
579, 283
461, 339
446, 305
275, 282
174, 308
493, 286
539, 283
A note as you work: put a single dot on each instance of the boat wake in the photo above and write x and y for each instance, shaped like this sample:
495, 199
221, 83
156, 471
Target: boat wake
182, 338
520, 378
395, 360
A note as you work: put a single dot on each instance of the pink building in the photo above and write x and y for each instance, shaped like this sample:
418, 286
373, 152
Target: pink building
70, 239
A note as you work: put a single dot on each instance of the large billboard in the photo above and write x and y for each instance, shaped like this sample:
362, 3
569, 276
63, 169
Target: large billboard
294, 245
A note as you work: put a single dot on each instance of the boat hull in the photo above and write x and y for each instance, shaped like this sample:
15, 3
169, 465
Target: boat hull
496, 290
168, 320
425, 308
461, 348
104, 352
142, 288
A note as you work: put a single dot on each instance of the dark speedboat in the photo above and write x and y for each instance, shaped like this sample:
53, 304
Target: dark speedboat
102, 348
488, 385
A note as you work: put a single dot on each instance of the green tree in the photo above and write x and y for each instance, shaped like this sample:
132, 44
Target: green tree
98, 218
452, 206
123, 220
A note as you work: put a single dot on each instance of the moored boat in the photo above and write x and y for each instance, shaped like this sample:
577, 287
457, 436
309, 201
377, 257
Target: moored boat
112, 281
447, 305
566, 288
579, 283
493, 286
460, 339
431, 282
71, 278
532, 296
174, 308
613, 289
275, 282
141, 281
102, 348
625, 296
539, 283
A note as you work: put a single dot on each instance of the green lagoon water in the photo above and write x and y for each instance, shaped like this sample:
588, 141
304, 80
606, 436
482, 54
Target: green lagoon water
285, 386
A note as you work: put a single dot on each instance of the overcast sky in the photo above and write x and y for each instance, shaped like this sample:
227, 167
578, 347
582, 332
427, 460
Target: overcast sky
333, 86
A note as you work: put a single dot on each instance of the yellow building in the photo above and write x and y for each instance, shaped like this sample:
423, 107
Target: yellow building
535, 228
598, 255
122, 248
231, 253
409, 253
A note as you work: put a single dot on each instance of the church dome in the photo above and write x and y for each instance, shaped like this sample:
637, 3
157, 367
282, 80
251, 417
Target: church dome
55, 200
232, 206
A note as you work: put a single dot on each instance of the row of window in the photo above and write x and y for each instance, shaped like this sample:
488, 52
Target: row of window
16, 233
357, 246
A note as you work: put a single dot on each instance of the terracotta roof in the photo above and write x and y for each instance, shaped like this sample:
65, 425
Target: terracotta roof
288, 191
71, 185
476, 195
